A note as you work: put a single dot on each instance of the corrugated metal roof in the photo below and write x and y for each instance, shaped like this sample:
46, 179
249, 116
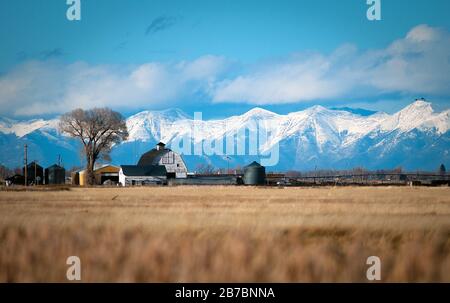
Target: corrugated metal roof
31, 164
100, 166
144, 170
149, 157
253, 164
55, 166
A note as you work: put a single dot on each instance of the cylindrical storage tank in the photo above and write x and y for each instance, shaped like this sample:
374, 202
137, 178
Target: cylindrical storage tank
55, 175
254, 174
82, 177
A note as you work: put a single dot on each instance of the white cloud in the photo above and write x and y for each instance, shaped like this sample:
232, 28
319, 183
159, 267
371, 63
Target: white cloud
423, 33
418, 63
42, 87
285, 82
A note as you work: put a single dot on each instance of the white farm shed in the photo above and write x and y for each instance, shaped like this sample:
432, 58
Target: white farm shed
134, 175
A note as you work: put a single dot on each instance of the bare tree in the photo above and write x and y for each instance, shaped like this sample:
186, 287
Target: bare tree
98, 129
5, 172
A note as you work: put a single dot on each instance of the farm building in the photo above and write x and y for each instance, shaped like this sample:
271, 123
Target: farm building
16, 180
75, 176
55, 174
173, 162
132, 175
254, 174
207, 180
106, 173
35, 173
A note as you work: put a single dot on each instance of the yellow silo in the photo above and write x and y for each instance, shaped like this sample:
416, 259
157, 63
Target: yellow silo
82, 178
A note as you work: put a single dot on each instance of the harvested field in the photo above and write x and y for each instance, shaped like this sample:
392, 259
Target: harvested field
226, 234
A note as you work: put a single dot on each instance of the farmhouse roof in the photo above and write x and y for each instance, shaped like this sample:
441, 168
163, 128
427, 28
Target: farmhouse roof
149, 157
144, 170
100, 166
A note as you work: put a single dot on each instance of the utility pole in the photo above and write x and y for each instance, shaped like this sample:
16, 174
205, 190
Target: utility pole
26, 164
35, 172
315, 174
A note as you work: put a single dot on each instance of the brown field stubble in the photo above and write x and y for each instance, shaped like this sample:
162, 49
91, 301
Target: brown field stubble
226, 234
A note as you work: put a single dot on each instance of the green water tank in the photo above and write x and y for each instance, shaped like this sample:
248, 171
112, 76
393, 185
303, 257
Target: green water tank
254, 174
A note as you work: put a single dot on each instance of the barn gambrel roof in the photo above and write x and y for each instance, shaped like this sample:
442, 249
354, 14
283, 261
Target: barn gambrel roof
151, 157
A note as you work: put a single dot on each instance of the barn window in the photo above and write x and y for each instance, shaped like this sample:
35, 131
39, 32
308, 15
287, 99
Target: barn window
168, 158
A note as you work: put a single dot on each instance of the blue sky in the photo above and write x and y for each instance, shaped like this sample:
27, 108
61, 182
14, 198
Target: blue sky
221, 57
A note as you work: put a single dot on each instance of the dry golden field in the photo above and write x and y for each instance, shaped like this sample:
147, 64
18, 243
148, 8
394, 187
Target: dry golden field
226, 234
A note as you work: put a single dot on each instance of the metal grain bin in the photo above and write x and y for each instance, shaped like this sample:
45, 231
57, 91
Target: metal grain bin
254, 174
35, 173
55, 174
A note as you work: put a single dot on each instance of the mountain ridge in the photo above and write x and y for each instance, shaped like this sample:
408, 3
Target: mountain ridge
414, 137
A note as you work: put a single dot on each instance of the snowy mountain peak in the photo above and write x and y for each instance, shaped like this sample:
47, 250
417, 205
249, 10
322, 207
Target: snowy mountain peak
23, 128
419, 106
258, 112
418, 115
172, 114
317, 109
415, 113
415, 137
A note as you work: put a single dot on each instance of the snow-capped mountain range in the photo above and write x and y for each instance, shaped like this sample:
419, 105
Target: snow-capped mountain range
415, 138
